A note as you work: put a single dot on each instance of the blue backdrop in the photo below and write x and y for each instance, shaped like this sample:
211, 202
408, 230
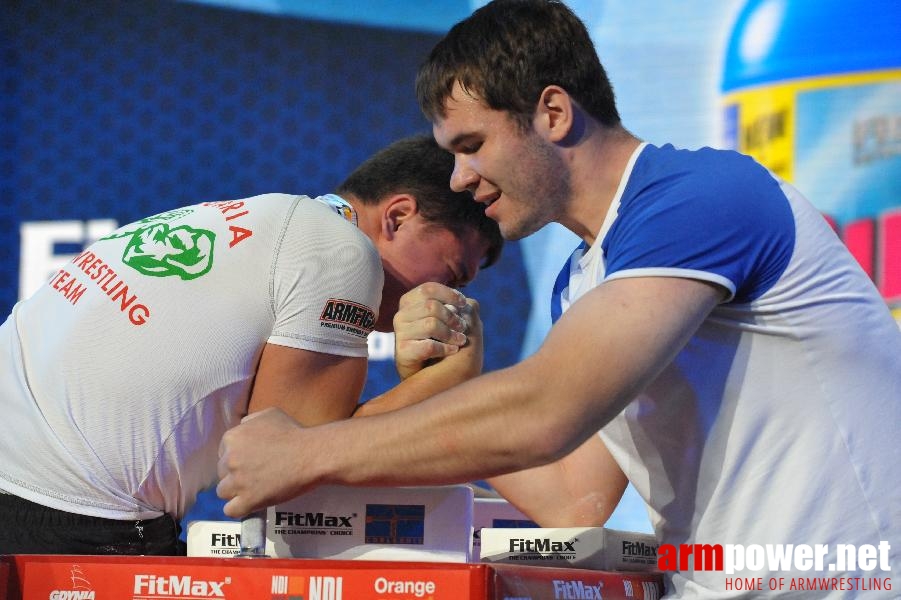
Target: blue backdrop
112, 111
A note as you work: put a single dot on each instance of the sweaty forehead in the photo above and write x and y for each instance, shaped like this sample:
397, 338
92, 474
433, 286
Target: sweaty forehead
448, 137
438, 131
463, 117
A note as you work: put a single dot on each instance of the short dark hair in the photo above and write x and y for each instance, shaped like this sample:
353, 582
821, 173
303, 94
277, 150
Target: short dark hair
507, 52
416, 165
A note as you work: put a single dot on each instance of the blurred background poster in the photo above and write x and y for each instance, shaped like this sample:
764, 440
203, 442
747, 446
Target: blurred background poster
111, 111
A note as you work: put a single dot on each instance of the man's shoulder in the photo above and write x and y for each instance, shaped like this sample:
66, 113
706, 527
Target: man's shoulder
699, 161
317, 226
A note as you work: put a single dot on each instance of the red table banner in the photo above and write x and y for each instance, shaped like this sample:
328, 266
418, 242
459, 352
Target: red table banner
64, 577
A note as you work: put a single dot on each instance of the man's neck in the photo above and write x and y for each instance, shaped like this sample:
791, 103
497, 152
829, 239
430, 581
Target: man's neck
368, 220
598, 166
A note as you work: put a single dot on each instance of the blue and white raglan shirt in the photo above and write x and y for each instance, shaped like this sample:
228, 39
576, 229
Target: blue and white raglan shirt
779, 422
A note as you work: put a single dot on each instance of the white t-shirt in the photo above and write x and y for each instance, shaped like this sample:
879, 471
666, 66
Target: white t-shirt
780, 421
122, 372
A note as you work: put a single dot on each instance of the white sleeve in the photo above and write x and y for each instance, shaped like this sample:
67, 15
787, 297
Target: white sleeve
326, 283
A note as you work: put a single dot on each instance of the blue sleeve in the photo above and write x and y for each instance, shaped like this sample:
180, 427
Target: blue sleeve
724, 220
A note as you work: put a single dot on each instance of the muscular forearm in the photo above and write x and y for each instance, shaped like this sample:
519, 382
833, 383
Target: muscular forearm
537, 411
426, 383
521, 417
412, 390
474, 430
517, 418
587, 485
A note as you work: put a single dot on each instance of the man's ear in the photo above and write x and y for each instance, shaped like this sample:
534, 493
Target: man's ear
554, 114
396, 211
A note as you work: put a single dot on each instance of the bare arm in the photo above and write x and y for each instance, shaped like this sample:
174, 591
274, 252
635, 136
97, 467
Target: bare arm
587, 486
430, 357
431, 352
611, 344
311, 387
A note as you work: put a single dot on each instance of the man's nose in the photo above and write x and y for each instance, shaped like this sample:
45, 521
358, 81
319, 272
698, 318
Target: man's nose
463, 178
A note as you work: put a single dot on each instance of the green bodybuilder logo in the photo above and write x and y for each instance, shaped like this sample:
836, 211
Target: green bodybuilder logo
160, 251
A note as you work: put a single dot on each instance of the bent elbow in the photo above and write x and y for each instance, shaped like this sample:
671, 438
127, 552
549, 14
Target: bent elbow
554, 439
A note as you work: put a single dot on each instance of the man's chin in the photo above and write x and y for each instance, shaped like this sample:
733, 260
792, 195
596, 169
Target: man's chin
513, 231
